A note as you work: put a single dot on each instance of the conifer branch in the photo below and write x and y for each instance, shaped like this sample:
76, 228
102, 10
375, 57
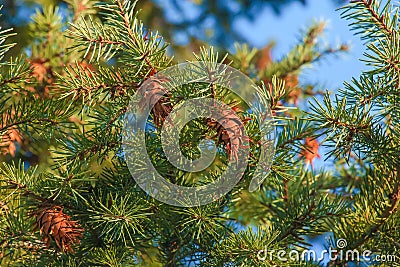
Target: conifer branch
11, 80
298, 223
126, 21
387, 213
379, 19
352, 127
117, 115
101, 40
29, 121
394, 198
94, 149
27, 192
293, 139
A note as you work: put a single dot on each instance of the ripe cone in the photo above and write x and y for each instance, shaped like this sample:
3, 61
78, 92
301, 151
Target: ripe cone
232, 134
9, 138
54, 224
156, 97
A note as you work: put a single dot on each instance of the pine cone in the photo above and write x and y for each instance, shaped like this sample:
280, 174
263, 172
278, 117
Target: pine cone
10, 137
161, 107
54, 224
232, 135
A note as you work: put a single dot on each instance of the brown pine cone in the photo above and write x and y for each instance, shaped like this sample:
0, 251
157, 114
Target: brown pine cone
232, 135
156, 96
54, 224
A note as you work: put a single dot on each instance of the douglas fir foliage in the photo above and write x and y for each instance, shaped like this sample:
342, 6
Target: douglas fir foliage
68, 199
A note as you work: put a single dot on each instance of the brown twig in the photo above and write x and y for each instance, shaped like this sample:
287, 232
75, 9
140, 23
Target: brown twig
34, 121
295, 138
351, 127
379, 19
101, 40
132, 36
94, 149
27, 192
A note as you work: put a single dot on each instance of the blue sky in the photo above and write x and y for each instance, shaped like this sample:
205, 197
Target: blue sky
285, 30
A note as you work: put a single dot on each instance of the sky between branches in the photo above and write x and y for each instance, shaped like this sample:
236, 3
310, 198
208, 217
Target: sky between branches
284, 29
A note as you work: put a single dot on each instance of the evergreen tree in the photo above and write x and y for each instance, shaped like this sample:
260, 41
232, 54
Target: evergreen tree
68, 198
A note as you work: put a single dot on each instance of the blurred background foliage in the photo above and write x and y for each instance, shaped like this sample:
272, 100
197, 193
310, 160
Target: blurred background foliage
201, 21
